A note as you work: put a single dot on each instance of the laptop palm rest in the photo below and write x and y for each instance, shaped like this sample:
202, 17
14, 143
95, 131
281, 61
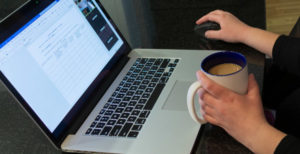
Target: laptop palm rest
177, 97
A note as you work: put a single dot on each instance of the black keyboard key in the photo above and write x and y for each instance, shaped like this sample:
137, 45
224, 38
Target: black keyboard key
106, 106
145, 82
133, 75
125, 115
157, 75
124, 90
109, 113
144, 60
115, 116
149, 64
102, 111
136, 83
172, 65
143, 101
157, 62
148, 77
130, 80
164, 63
140, 121
96, 131
126, 99
115, 131
142, 87
152, 85
139, 92
128, 109
135, 98
88, 131
150, 103
133, 134
118, 89
137, 127
110, 100
144, 114
161, 70
104, 119
140, 66
143, 73
112, 107
139, 78
130, 93
100, 125
125, 130
121, 121
146, 95
116, 101
111, 122
114, 94
135, 112
97, 118
120, 96
132, 103
151, 72
106, 130
123, 104
133, 88
149, 90
119, 110
139, 107
154, 68
163, 80
131, 119
93, 124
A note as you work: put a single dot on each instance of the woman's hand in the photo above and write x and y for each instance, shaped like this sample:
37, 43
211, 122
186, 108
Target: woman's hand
241, 116
235, 113
235, 31
232, 29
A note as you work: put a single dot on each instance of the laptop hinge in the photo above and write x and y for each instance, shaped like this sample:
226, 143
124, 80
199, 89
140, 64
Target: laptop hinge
96, 96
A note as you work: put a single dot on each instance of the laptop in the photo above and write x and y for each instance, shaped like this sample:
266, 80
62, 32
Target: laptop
72, 71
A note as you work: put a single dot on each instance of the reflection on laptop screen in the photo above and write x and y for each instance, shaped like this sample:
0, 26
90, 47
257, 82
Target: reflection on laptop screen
53, 59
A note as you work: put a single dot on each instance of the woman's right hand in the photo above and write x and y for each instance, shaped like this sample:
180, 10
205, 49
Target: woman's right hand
232, 29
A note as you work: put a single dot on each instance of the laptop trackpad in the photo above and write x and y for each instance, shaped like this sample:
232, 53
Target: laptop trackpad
177, 97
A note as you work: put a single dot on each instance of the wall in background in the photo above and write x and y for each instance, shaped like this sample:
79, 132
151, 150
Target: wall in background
134, 19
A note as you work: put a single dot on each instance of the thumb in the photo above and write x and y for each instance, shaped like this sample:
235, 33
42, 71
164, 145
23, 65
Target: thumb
253, 88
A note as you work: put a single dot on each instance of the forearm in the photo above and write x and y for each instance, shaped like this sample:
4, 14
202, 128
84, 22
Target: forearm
259, 39
263, 140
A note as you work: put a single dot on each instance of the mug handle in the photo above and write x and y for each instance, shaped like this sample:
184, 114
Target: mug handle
191, 105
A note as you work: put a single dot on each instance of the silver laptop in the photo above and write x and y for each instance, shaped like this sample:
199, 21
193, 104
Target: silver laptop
72, 71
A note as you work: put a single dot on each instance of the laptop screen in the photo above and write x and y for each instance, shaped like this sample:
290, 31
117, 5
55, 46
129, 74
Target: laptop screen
56, 54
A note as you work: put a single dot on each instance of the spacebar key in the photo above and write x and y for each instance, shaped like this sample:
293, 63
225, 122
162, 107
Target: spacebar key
154, 96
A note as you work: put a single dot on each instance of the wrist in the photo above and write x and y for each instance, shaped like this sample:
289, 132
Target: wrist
264, 139
245, 34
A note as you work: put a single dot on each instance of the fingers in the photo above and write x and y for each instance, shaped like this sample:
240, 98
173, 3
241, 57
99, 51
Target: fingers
212, 34
212, 87
206, 99
212, 16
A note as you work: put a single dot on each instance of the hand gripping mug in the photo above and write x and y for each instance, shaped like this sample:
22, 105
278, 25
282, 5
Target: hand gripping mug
228, 69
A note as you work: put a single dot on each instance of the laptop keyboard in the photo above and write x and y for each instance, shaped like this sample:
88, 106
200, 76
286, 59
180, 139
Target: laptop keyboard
131, 103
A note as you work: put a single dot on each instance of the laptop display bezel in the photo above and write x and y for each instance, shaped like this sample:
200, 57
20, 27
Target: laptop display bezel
17, 20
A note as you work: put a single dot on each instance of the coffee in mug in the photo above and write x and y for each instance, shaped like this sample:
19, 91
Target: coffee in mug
224, 69
228, 69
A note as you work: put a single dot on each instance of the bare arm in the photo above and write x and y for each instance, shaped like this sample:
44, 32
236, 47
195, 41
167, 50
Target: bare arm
233, 30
